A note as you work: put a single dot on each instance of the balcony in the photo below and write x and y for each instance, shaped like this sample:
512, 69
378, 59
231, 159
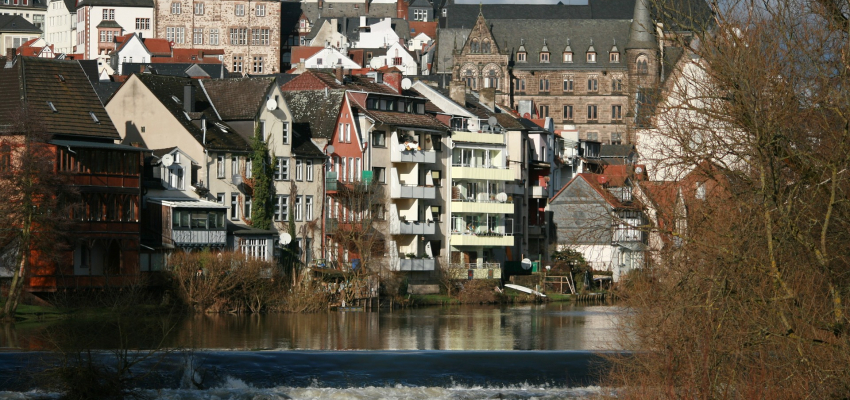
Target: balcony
539, 192
492, 173
412, 192
413, 156
481, 240
412, 228
199, 238
478, 137
488, 207
416, 264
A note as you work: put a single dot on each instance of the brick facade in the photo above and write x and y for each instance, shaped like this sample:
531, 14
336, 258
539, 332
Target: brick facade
247, 31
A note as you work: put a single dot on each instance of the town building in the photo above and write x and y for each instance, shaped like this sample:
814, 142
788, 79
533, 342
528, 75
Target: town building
101, 21
15, 30
247, 31
61, 24
33, 11
101, 246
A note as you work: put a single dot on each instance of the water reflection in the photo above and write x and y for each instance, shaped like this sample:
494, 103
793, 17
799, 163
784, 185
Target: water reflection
558, 326
555, 326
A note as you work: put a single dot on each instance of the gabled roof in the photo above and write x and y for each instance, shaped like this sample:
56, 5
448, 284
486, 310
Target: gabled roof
38, 81
116, 3
596, 181
109, 24
305, 52
238, 99
318, 109
219, 135
158, 47
17, 24
428, 28
172, 69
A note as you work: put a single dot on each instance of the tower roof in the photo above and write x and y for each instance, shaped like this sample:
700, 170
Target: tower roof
641, 31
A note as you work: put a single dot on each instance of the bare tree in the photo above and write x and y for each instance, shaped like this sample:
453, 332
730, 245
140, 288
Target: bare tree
37, 202
752, 302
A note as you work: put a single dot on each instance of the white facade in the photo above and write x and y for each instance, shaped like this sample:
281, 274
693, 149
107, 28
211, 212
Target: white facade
330, 58
380, 35
133, 51
131, 20
398, 57
60, 27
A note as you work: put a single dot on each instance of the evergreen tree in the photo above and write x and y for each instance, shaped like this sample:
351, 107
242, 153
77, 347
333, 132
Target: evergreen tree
261, 171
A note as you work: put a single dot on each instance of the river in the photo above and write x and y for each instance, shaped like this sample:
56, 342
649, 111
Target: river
547, 351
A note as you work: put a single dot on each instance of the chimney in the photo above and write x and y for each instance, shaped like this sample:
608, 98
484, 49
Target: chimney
366, 6
339, 74
487, 97
189, 97
10, 54
457, 91
393, 79
362, 21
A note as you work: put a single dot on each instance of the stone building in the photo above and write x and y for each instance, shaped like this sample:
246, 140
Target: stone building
247, 31
590, 72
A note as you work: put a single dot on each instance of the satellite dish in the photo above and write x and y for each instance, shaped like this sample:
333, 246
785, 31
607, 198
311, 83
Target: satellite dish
167, 160
406, 83
638, 170
330, 149
271, 105
492, 121
285, 238
502, 197
526, 263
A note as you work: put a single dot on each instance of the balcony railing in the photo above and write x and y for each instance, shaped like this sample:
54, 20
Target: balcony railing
417, 156
474, 164
461, 227
416, 264
199, 238
402, 191
413, 228
483, 265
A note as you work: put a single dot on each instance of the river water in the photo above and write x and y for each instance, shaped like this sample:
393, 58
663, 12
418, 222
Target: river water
548, 351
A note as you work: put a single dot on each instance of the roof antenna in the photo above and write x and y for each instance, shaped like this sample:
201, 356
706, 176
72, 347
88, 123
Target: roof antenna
480, 9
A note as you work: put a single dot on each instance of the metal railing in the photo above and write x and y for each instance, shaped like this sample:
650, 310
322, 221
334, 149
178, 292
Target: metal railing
483, 265
473, 164
482, 229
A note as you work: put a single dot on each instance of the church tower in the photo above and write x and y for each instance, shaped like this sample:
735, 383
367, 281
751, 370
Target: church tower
644, 63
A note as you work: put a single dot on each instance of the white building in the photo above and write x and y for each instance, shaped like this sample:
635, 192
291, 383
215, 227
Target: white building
330, 58
61, 25
397, 56
100, 21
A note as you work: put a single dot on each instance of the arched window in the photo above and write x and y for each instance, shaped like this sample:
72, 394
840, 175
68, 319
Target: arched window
474, 47
485, 46
491, 79
470, 79
642, 65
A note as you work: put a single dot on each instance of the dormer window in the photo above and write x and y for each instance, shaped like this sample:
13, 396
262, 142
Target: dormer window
521, 56
591, 57
544, 57
568, 57
614, 57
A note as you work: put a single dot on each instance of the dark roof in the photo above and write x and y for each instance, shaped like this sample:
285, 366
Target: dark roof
238, 99
339, 10
616, 150
90, 68
16, 23
71, 5
399, 118
161, 152
63, 83
242, 230
302, 145
472, 105
116, 3
219, 135
281, 78
672, 55
96, 145
109, 24
173, 69
351, 27
105, 90
316, 108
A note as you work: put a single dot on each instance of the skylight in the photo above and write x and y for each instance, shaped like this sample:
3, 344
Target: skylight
221, 126
52, 107
176, 100
94, 117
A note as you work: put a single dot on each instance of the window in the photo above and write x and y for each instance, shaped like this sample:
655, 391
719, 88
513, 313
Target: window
260, 37
199, 8
348, 133
239, 10
234, 206
617, 84
592, 114
357, 173
616, 138
249, 203
219, 167
436, 212
437, 177
175, 8
257, 65
474, 47
214, 37
299, 208
614, 57
281, 170
544, 84
143, 23
521, 56
544, 57
700, 194
542, 111
642, 65
616, 112
261, 10
592, 83
379, 139
249, 168
594, 136
285, 133
234, 165
591, 57
380, 174
238, 36
174, 34
237, 63
109, 14
350, 169
309, 208
520, 84
198, 36
299, 170
175, 178
568, 113
309, 170
569, 83
219, 198
281, 208
568, 57
420, 15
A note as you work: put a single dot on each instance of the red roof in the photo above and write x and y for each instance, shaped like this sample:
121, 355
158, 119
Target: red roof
305, 52
428, 28
158, 47
600, 183
306, 81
